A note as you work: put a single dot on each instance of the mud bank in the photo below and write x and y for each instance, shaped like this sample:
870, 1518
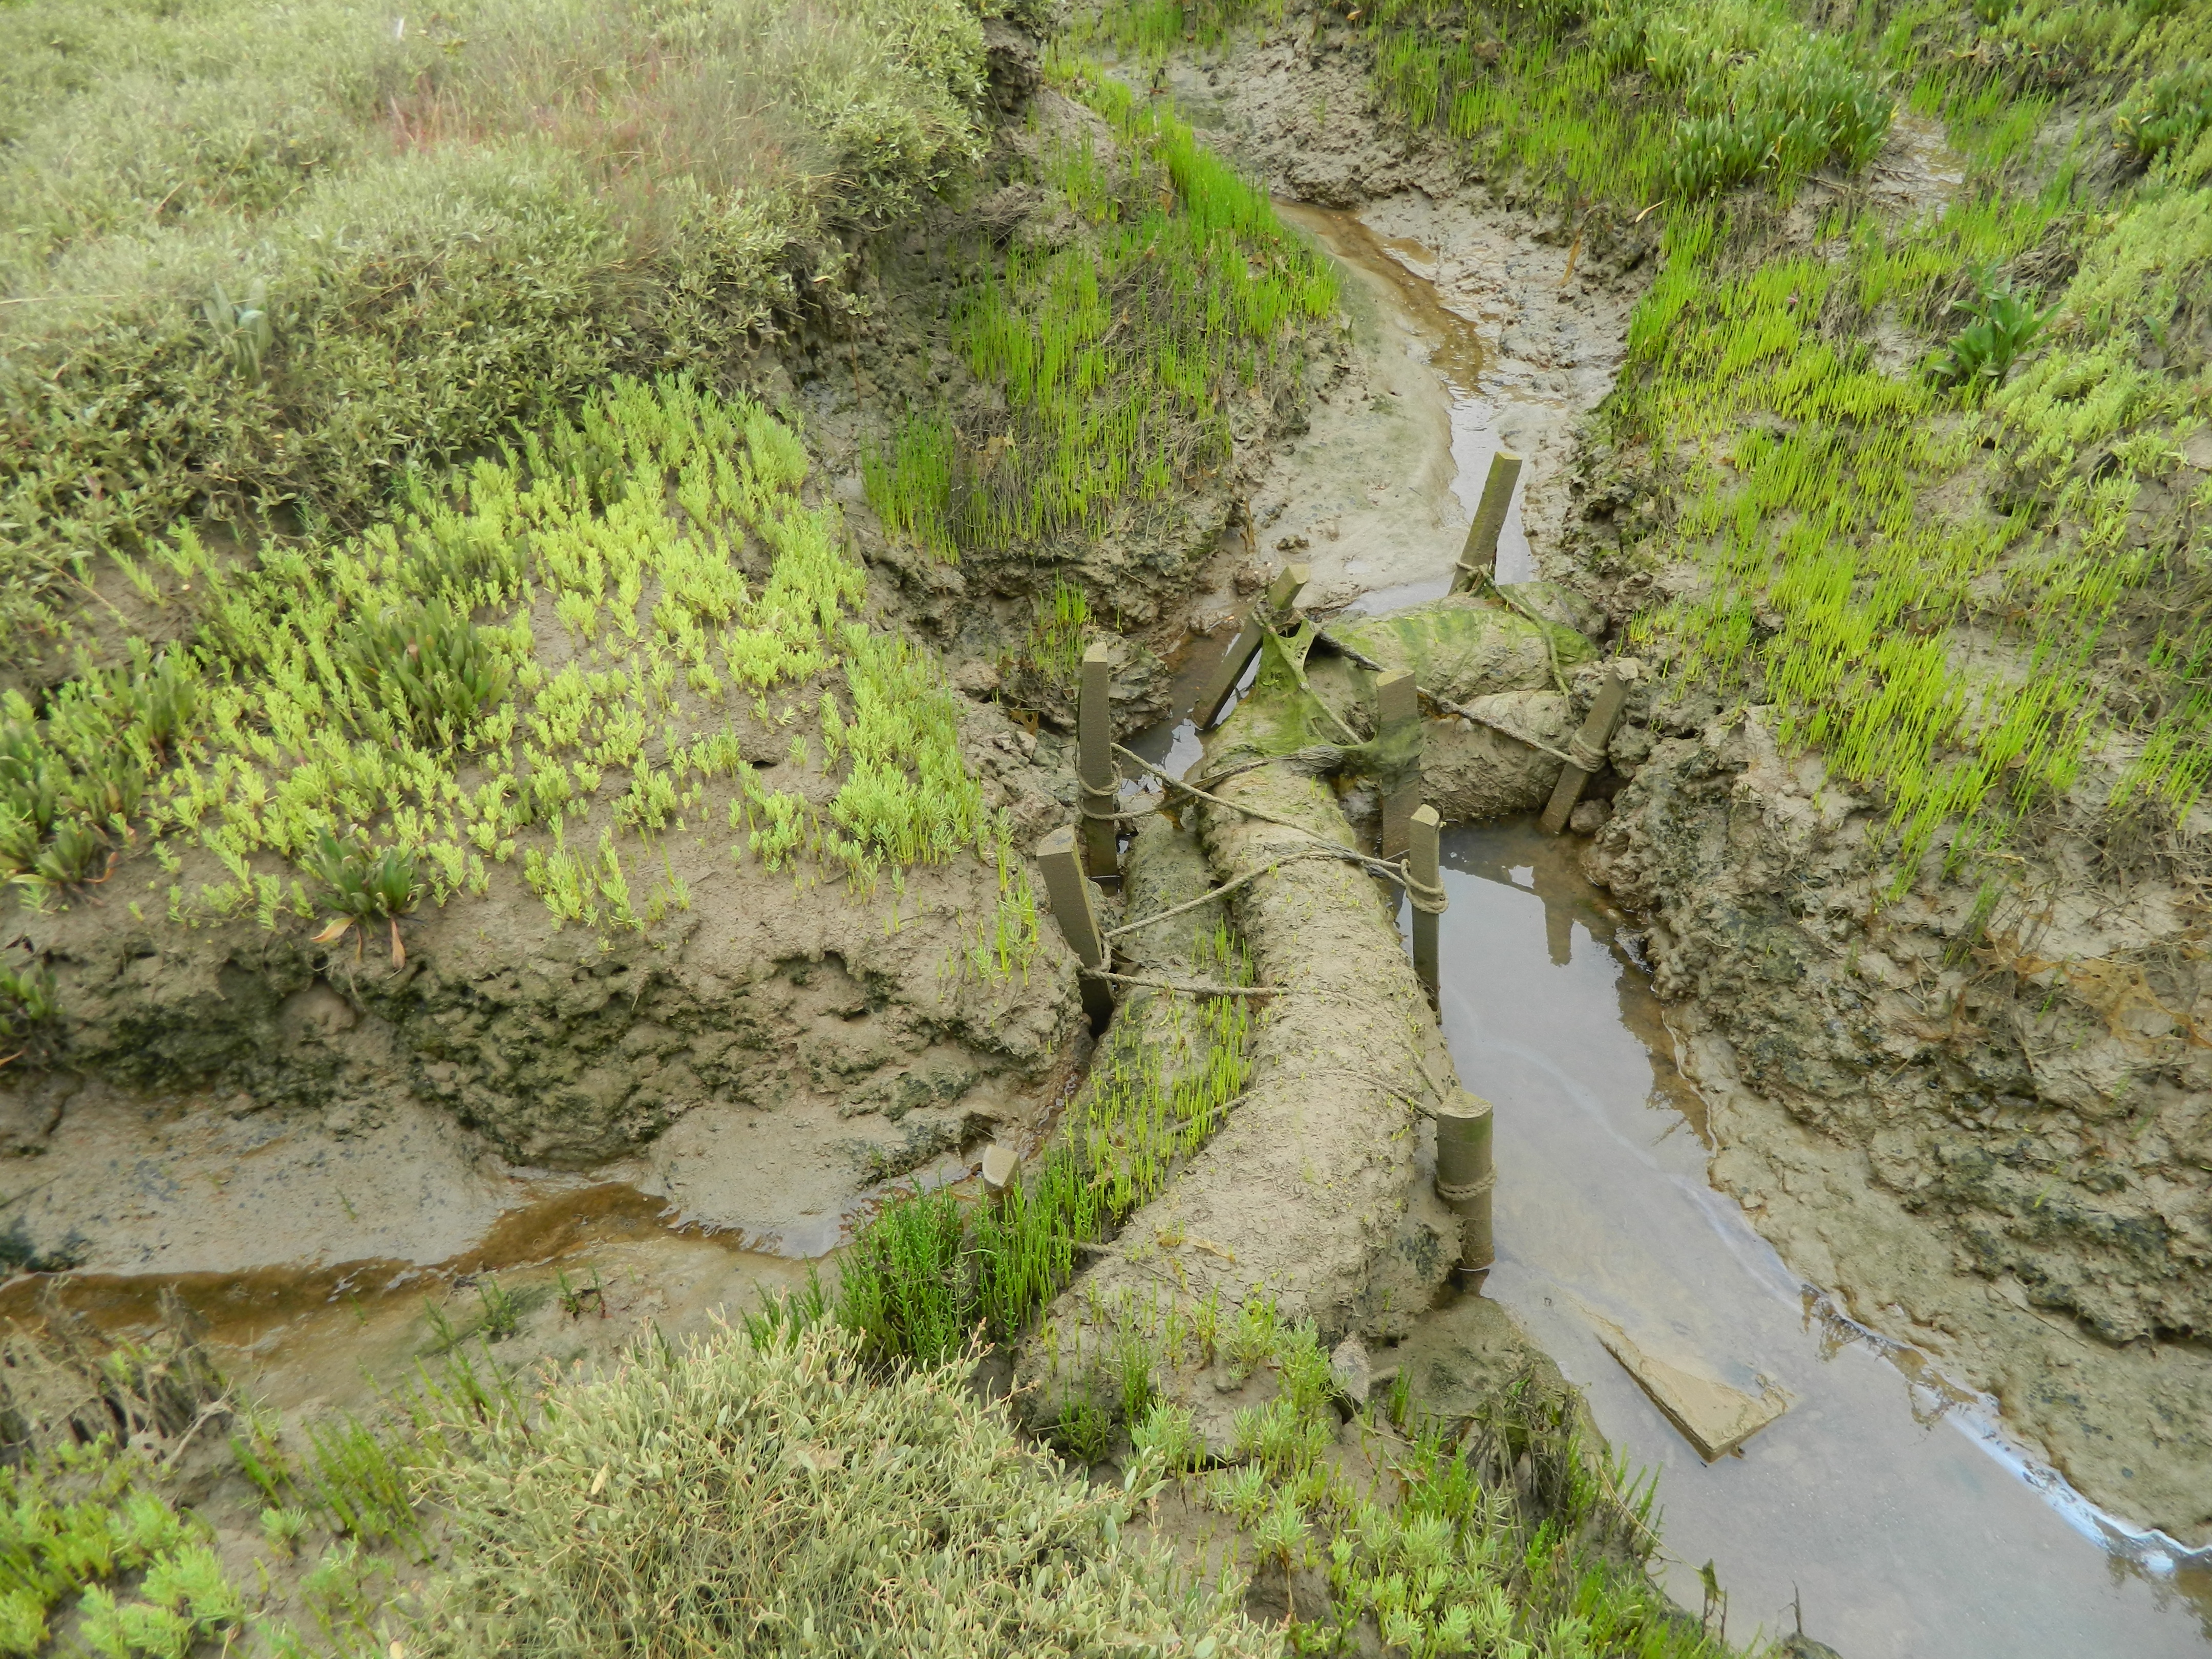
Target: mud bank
1985, 1132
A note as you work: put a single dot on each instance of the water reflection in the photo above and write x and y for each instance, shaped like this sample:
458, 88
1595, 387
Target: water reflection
1886, 1499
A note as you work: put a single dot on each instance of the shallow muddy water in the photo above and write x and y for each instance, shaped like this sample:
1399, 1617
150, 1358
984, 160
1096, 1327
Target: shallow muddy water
574, 1273
1884, 1501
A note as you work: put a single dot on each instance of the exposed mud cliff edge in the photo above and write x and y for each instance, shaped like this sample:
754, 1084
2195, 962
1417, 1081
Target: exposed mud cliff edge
1990, 1132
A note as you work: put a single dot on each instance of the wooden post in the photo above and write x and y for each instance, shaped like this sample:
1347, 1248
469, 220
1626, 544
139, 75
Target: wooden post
1000, 1163
1477, 560
1466, 1177
1398, 709
1425, 892
1099, 780
1069, 894
1281, 596
1588, 748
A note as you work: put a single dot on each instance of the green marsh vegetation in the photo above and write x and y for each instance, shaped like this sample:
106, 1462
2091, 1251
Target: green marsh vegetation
1119, 355
767, 1488
262, 263
1506, 1536
924, 1276
1963, 661
542, 664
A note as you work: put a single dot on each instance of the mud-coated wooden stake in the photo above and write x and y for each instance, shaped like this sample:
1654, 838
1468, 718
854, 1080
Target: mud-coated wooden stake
1477, 560
1068, 892
1398, 710
1465, 1174
1094, 771
1000, 1163
1424, 891
1282, 594
1587, 747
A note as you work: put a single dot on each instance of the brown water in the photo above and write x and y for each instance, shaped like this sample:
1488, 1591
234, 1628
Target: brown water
583, 1271
1887, 1500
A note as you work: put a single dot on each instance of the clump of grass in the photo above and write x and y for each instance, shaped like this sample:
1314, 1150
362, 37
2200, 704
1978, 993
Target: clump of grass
907, 1286
782, 1495
28, 1007
1119, 355
2166, 113
365, 887
429, 672
2001, 324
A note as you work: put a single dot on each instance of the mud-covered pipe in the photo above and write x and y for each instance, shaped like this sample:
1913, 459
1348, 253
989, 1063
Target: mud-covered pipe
1466, 1178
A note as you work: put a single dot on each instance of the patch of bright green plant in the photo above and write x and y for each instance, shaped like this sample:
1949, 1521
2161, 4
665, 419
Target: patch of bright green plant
1152, 28
2001, 324
1503, 1534
1630, 102
77, 1516
1835, 592
906, 1285
562, 638
73, 776
28, 1006
919, 1280
1120, 354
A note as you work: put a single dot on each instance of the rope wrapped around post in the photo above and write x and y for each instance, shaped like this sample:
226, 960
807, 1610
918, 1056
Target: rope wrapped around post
1102, 800
1428, 899
1582, 752
1467, 1176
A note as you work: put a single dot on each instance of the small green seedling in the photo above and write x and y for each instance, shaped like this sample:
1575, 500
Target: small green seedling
365, 888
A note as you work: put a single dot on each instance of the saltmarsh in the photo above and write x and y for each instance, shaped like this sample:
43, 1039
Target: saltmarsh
548, 662
1120, 354
260, 262
1964, 661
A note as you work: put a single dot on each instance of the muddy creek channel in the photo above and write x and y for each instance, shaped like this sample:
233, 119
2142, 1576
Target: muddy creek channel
1888, 1502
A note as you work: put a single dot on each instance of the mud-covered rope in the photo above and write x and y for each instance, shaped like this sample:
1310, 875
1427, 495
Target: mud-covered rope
1585, 754
1100, 800
1460, 1194
1429, 901
1336, 848
1497, 725
1185, 988
1543, 630
1222, 891
1315, 758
